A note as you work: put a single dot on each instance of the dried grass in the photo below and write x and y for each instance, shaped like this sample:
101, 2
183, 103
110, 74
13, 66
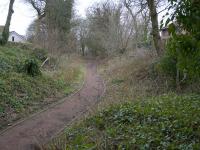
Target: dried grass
68, 68
128, 78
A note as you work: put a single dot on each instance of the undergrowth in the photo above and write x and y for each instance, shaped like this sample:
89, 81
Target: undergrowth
134, 76
163, 122
131, 78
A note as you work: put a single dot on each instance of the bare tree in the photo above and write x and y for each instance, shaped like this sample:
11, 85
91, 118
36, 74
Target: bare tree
127, 4
37, 33
5, 33
126, 31
39, 6
146, 20
140, 7
82, 34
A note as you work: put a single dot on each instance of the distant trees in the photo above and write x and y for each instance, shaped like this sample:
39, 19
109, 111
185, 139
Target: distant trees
31, 31
5, 34
37, 33
112, 29
115, 27
128, 35
104, 28
82, 33
110, 26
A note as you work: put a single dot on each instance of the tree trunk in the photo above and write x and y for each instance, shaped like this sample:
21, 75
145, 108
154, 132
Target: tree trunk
5, 34
155, 29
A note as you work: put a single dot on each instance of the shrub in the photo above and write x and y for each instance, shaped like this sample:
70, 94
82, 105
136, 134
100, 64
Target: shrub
167, 65
184, 52
31, 67
182, 55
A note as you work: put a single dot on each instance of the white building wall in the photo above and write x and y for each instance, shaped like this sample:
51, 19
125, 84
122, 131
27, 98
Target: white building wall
16, 38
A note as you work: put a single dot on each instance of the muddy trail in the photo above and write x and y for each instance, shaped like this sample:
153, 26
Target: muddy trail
40, 128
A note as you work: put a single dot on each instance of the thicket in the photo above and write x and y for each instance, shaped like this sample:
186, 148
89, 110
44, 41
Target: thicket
182, 58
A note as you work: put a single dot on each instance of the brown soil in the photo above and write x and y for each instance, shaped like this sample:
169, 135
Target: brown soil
40, 128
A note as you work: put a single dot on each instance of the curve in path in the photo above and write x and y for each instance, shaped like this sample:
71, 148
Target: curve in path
42, 127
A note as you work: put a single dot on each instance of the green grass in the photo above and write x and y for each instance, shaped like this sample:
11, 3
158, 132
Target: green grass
164, 122
21, 94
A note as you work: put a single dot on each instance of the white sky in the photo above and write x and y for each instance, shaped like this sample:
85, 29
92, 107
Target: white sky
24, 14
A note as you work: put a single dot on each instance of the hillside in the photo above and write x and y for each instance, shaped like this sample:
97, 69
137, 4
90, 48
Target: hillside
22, 93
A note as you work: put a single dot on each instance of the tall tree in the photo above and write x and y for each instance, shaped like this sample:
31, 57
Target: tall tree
5, 33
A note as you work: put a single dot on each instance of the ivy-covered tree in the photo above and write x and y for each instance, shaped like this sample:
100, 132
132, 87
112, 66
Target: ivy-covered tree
5, 33
59, 14
58, 20
54, 16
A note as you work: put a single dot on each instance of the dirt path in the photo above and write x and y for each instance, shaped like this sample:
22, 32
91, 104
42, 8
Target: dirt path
42, 127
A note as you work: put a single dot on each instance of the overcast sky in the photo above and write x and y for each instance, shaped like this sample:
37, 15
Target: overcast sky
24, 14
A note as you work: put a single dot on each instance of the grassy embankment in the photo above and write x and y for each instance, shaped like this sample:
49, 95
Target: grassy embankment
140, 110
22, 94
